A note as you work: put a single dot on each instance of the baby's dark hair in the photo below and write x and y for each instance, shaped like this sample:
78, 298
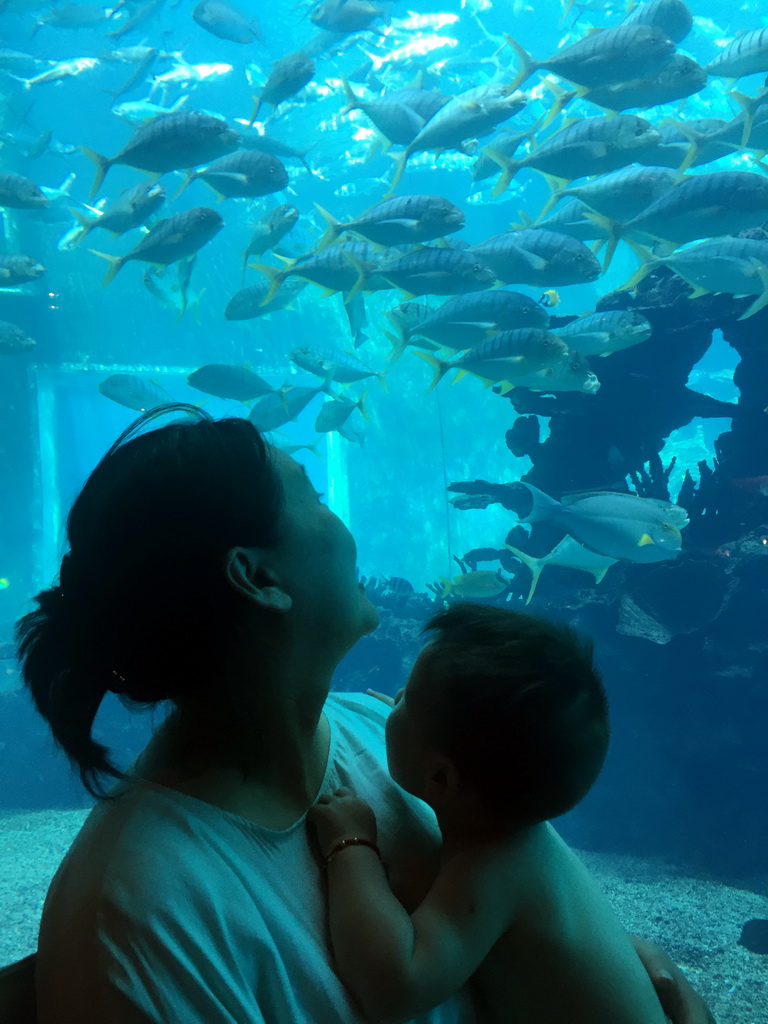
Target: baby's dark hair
516, 702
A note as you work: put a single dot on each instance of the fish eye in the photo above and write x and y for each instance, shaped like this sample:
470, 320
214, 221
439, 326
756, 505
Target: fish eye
477, 268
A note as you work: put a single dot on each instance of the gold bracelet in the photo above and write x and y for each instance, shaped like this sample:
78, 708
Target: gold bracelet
341, 844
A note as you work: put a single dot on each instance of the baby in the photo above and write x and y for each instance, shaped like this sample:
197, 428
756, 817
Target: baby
502, 725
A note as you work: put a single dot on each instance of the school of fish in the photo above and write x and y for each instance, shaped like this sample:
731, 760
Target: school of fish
601, 119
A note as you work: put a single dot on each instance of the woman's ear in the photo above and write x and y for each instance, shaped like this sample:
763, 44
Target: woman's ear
247, 573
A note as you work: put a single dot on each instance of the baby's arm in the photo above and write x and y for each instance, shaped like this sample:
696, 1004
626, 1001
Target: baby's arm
396, 965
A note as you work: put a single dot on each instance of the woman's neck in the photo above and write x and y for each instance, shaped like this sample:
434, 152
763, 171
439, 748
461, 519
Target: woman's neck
284, 773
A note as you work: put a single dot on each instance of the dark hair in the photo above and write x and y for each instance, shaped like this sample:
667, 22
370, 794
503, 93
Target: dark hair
516, 702
143, 607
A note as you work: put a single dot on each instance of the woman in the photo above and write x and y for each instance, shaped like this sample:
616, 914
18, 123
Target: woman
204, 571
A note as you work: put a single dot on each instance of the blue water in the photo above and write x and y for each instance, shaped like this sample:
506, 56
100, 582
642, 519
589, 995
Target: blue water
686, 775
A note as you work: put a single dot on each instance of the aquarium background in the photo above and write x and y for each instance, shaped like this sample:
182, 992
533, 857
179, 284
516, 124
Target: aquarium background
682, 643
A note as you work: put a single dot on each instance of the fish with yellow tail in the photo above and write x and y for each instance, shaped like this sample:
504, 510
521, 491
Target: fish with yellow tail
570, 555
169, 240
503, 357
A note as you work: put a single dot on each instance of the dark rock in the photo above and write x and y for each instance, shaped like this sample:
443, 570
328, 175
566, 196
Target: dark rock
754, 935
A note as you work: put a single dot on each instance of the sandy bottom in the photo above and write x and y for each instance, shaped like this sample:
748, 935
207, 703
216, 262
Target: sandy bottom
697, 921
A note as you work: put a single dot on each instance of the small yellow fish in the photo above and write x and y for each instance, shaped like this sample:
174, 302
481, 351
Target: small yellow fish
550, 298
4, 583
480, 583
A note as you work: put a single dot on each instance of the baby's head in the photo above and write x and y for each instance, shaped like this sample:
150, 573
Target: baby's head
509, 706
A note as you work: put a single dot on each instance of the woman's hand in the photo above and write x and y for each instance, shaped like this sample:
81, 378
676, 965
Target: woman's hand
342, 814
679, 999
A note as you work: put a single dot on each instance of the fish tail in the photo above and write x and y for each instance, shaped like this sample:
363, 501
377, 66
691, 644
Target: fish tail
762, 300
86, 223
116, 264
440, 367
189, 177
333, 229
542, 505
614, 231
102, 166
256, 109
747, 104
533, 564
398, 345
554, 198
361, 406
357, 286
509, 169
696, 140
447, 587
527, 64
353, 103
276, 277
401, 159
649, 263
377, 144
562, 98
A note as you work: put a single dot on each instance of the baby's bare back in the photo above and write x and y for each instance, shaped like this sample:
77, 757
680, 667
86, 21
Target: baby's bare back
566, 957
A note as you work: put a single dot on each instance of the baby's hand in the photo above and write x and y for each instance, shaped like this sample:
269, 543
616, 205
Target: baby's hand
342, 814
383, 697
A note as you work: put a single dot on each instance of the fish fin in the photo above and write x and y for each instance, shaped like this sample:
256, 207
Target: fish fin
102, 166
531, 563
552, 201
599, 573
361, 406
696, 139
86, 223
353, 103
527, 64
417, 82
542, 505
256, 109
440, 367
509, 169
747, 104
379, 143
614, 230
649, 263
276, 277
189, 177
555, 183
762, 300
400, 159
116, 265
398, 347
645, 540
361, 275
562, 98
333, 228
